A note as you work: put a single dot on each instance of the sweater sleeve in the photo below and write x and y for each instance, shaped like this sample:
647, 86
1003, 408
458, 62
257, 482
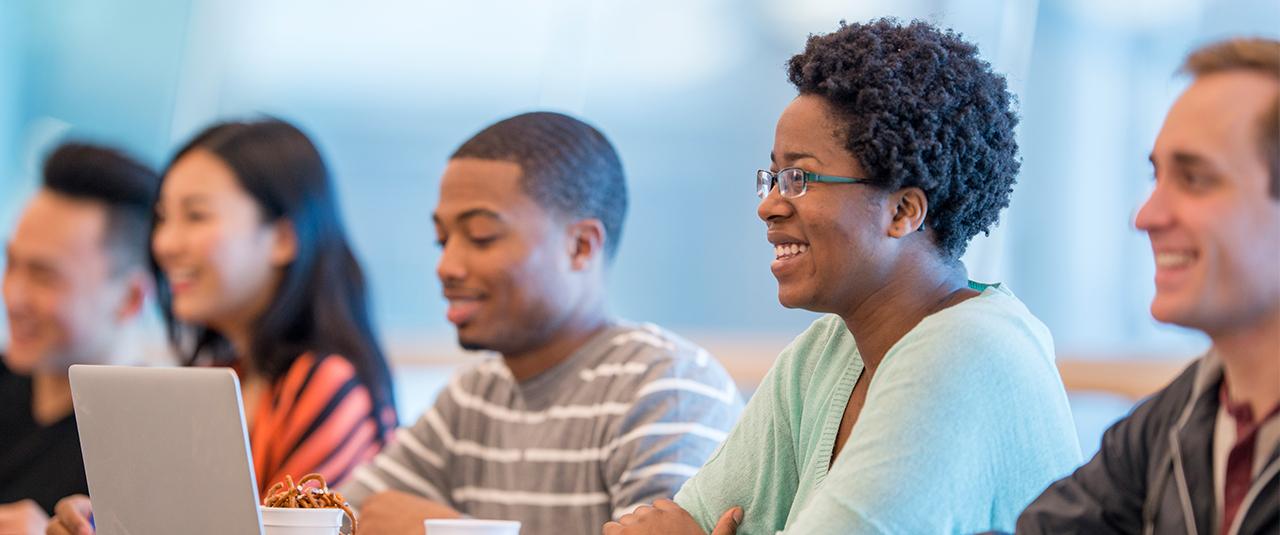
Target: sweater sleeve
681, 413
417, 459
756, 467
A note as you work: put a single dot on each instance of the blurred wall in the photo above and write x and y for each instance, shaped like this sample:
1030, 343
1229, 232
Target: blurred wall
688, 91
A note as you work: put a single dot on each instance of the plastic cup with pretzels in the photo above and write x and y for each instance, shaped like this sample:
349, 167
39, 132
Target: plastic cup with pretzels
307, 507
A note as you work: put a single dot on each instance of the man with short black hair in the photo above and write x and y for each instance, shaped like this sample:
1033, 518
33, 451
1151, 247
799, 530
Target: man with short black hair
76, 275
1203, 454
584, 416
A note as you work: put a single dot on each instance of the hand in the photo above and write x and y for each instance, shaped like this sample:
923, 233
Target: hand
22, 518
71, 517
398, 512
665, 517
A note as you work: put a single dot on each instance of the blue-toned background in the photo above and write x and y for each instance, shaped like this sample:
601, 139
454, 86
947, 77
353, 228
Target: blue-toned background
687, 90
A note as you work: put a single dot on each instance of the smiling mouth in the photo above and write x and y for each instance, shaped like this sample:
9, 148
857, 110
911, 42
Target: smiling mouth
1174, 260
462, 309
787, 251
22, 330
180, 280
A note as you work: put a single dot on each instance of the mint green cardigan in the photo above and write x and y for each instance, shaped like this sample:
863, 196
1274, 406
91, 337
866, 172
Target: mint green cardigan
966, 421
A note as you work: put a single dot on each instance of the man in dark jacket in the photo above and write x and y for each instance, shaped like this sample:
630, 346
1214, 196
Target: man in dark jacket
1201, 456
74, 282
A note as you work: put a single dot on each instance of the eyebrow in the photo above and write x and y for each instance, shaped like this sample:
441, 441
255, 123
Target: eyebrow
1186, 160
793, 156
470, 214
193, 199
35, 264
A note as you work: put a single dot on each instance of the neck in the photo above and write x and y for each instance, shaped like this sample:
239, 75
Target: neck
239, 328
240, 339
572, 335
50, 397
883, 318
1251, 363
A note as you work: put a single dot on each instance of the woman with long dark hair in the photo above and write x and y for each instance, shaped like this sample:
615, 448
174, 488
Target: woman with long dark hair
254, 272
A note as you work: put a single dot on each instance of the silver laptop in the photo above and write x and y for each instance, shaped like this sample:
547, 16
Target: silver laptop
165, 450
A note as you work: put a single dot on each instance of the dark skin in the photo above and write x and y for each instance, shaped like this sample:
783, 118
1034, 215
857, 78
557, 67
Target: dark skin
521, 281
913, 280
842, 229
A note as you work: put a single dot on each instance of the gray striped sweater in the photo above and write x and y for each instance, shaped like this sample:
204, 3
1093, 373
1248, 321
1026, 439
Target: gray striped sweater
622, 422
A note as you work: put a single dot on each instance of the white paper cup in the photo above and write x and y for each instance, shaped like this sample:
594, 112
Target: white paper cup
288, 521
472, 526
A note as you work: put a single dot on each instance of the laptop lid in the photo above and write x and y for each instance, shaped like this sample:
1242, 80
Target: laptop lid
165, 450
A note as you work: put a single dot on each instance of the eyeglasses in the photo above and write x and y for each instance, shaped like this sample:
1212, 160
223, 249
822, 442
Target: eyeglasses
793, 181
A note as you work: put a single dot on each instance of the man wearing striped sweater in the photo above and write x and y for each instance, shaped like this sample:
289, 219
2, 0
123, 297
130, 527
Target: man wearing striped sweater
582, 417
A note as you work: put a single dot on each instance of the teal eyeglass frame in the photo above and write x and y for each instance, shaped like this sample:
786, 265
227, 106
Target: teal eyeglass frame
786, 179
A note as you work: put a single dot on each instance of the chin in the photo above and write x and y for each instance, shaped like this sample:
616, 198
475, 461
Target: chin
472, 342
472, 346
794, 300
1171, 312
21, 362
183, 312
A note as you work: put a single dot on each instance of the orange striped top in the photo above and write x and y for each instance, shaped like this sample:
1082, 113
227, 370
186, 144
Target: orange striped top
317, 417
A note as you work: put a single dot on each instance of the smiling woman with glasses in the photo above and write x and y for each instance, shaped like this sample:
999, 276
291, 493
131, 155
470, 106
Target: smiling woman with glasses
922, 402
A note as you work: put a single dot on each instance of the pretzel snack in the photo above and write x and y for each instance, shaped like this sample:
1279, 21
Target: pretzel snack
287, 494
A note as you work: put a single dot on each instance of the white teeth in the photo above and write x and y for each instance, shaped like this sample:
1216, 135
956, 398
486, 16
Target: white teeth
787, 250
1173, 260
181, 275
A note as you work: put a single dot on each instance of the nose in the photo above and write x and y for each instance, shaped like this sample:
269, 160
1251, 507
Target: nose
164, 242
452, 264
774, 207
16, 296
1155, 213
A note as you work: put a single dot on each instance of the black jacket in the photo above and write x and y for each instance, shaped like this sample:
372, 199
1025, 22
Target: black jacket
1154, 472
39, 462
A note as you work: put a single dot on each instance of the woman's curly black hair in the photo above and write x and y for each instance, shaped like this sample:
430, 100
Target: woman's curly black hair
918, 108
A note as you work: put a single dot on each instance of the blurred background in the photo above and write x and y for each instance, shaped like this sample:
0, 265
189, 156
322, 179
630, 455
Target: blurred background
687, 90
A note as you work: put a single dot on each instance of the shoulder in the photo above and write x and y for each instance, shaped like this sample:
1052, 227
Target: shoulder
647, 351
641, 359
10, 380
992, 332
319, 378
1162, 409
15, 398
481, 376
325, 368
986, 358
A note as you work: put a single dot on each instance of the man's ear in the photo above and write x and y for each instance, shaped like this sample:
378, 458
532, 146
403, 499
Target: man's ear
138, 284
286, 243
910, 206
586, 243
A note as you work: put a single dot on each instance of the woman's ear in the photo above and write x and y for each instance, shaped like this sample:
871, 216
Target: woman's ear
284, 243
586, 243
910, 206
